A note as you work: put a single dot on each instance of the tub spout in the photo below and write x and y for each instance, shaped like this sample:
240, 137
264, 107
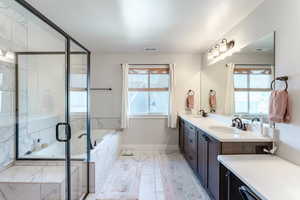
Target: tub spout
90, 143
81, 135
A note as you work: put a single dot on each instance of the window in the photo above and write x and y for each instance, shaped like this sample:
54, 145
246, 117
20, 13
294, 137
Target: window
148, 90
78, 93
252, 89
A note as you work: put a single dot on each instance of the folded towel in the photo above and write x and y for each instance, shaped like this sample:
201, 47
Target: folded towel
279, 107
190, 101
212, 102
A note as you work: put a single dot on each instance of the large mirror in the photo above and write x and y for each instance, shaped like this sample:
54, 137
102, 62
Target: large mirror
240, 84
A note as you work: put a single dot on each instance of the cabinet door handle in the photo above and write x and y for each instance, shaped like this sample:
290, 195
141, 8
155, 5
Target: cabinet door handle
191, 141
206, 138
228, 184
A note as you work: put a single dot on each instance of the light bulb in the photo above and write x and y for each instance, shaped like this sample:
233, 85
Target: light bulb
210, 55
223, 46
215, 51
10, 55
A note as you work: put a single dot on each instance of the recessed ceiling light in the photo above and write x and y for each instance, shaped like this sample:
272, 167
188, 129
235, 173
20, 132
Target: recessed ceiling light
150, 49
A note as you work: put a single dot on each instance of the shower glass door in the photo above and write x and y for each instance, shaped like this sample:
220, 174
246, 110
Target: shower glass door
80, 144
51, 95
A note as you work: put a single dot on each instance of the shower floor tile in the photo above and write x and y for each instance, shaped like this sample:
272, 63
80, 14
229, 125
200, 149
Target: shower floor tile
151, 176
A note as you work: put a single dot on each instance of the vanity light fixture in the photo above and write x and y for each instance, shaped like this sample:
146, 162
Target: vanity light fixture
223, 46
216, 51
3, 53
210, 55
220, 50
7, 56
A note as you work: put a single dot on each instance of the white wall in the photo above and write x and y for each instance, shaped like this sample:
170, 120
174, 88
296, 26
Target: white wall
215, 76
106, 72
282, 17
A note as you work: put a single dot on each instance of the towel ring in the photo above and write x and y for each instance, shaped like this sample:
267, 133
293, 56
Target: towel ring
190, 92
212, 92
282, 78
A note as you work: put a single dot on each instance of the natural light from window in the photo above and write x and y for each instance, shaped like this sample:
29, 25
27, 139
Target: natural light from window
148, 90
252, 89
78, 93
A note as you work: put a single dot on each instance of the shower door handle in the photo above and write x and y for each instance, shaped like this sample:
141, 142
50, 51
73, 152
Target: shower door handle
67, 132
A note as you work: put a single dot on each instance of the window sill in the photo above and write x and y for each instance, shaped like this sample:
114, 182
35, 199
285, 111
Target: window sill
148, 116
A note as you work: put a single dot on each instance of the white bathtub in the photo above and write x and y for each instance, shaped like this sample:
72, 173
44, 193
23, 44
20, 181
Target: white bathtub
78, 145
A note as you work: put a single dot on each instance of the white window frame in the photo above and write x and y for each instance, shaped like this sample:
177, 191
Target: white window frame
149, 115
248, 89
77, 89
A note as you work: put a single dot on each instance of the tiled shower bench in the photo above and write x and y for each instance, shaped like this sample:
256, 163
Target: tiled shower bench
37, 183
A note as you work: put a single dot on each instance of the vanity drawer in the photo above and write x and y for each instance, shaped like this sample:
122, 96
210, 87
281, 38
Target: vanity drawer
189, 127
190, 139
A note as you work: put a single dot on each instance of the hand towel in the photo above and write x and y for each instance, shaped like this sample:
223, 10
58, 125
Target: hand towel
212, 102
190, 101
279, 111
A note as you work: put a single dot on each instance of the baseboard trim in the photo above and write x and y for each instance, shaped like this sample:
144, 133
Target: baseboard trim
163, 148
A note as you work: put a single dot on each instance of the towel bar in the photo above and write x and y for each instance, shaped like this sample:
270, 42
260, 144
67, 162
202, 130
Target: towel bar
103, 89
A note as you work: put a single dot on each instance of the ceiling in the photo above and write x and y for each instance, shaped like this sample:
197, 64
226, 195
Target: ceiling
173, 26
263, 45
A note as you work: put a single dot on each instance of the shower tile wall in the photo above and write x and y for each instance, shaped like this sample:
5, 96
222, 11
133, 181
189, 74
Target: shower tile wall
13, 35
7, 114
39, 128
105, 123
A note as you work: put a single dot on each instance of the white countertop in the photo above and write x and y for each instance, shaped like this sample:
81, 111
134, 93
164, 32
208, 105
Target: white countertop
270, 177
205, 124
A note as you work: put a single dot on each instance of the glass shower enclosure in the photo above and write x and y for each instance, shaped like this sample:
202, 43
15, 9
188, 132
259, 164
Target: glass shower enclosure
51, 84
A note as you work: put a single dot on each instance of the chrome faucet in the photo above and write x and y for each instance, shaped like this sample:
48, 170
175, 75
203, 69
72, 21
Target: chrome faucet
255, 119
202, 112
238, 123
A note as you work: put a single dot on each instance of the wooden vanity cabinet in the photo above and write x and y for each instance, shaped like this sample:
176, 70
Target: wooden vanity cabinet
181, 136
190, 145
201, 152
231, 185
213, 168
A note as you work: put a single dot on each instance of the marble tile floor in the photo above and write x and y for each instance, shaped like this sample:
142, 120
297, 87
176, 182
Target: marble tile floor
151, 176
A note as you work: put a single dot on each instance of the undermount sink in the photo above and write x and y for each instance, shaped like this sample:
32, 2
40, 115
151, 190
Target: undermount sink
197, 116
224, 129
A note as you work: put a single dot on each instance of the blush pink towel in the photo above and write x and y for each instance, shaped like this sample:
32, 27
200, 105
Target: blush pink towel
279, 107
190, 101
212, 101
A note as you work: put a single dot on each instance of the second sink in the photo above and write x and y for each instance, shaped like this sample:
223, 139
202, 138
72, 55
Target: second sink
224, 129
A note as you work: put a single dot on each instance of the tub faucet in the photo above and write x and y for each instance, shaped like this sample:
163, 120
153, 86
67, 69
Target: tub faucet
90, 142
81, 135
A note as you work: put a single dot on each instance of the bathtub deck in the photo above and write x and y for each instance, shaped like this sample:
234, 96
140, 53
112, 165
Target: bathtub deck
151, 176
